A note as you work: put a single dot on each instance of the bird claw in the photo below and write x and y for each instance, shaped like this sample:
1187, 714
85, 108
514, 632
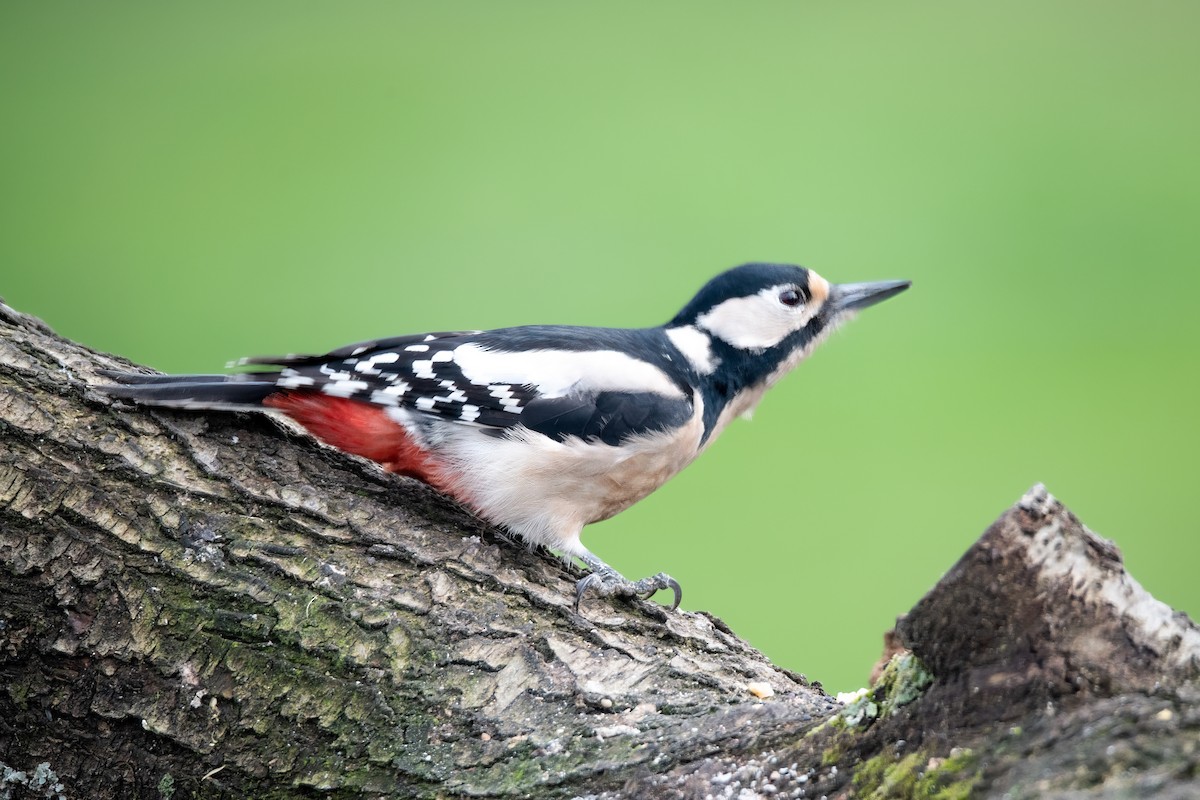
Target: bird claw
607, 582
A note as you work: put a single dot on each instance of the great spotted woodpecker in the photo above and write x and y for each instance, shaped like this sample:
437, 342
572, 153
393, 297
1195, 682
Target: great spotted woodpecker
544, 429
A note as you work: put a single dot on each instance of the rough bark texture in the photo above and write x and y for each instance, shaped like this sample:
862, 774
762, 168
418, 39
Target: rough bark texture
183, 593
1037, 668
216, 606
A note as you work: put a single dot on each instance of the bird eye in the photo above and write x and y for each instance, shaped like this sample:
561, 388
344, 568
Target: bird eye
791, 297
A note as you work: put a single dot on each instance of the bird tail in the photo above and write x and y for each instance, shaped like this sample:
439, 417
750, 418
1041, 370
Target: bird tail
240, 392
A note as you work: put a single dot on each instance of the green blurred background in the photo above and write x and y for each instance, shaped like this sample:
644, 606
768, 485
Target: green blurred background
188, 183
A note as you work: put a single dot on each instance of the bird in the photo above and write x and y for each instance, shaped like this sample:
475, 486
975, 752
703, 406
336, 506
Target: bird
544, 429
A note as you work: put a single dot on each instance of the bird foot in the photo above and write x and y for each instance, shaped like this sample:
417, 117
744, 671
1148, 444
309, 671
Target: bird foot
607, 582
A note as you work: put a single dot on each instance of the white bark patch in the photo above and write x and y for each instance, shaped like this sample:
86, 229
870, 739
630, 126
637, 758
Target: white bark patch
1150, 623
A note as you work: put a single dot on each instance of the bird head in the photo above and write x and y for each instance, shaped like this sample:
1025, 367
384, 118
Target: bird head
762, 319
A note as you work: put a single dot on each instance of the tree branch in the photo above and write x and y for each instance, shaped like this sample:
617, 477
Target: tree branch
218, 606
184, 593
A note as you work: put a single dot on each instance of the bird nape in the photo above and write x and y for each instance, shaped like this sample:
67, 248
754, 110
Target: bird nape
543, 429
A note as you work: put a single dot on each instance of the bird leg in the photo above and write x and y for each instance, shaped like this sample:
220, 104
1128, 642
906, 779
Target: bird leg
606, 582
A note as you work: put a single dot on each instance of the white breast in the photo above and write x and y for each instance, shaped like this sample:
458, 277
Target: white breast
546, 491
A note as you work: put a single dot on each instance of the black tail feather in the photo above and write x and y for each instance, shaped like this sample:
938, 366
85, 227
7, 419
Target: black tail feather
142, 379
244, 391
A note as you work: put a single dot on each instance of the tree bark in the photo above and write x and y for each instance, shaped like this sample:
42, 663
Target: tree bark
218, 606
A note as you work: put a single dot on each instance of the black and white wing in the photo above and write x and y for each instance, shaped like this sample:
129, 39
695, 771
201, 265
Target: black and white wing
558, 381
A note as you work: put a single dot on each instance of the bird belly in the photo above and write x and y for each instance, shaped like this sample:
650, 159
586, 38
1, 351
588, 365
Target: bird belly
541, 489
545, 490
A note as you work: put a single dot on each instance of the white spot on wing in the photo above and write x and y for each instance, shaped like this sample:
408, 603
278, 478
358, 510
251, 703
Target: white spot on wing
504, 394
369, 366
398, 388
382, 398
419, 348
335, 374
344, 388
290, 379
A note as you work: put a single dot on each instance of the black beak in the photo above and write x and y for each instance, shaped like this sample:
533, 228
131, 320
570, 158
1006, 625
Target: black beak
845, 297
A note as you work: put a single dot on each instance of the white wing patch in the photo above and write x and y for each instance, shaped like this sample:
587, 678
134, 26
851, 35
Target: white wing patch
468, 382
556, 372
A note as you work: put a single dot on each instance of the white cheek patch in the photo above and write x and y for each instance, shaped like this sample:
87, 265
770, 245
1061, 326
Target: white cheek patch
557, 372
758, 321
